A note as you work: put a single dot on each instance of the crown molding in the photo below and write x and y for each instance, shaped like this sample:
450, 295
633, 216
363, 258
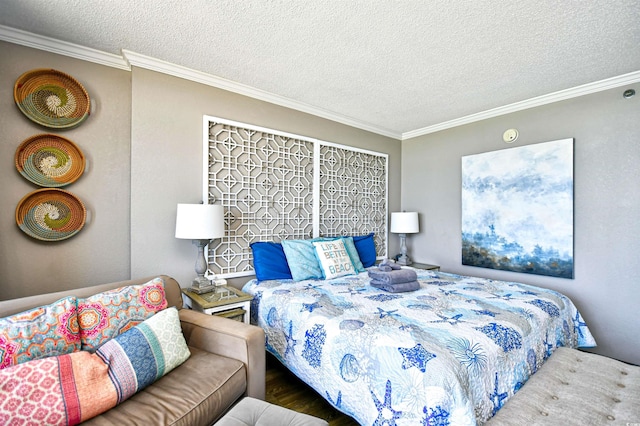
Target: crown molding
154, 64
129, 58
24, 38
562, 95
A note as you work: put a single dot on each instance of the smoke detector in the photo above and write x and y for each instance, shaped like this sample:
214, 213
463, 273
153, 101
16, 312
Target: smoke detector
510, 135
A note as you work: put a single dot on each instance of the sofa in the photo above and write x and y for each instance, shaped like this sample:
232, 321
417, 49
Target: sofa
226, 363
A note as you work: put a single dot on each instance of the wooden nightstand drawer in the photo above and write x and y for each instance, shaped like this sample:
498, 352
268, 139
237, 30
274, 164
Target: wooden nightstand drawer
234, 314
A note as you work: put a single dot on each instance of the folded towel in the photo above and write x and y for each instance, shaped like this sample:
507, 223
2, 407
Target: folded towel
396, 288
387, 265
393, 277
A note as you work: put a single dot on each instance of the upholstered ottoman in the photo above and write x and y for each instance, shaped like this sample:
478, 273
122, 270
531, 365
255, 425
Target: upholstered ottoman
254, 412
576, 388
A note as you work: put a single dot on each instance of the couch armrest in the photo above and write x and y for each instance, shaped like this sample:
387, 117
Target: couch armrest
232, 339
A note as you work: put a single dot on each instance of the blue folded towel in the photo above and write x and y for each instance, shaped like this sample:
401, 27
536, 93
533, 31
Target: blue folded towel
398, 276
387, 265
396, 288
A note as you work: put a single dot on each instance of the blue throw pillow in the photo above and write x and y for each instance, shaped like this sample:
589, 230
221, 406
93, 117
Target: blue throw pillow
366, 249
269, 261
302, 260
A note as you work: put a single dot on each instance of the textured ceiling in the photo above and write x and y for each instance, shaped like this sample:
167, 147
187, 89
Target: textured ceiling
397, 65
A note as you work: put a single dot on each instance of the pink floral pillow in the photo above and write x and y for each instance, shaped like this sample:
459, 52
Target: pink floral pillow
39, 333
104, 316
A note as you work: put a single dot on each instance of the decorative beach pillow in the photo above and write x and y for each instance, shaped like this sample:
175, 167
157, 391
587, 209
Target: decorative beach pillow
302, 259
40, 332
366, 247
71, 388
351, 249
333, 258
269, 261
106, 315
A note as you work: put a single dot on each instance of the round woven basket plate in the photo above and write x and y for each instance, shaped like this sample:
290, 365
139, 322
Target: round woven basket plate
49, 160
51, 98
50, 214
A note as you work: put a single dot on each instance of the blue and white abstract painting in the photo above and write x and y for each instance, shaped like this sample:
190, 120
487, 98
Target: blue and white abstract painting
517, 209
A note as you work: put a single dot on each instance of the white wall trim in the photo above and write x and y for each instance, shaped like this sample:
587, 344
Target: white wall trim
60, 47
153, 64
562, 95
129, 58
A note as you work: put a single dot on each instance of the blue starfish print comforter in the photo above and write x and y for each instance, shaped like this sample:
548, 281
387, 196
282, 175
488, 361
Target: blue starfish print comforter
452, 352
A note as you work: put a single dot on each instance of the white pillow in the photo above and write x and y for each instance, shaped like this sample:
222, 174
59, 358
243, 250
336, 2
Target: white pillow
333, 258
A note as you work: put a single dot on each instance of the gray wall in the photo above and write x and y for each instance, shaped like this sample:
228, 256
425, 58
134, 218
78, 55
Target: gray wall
166, 160
606, 132
99, 253
144, 150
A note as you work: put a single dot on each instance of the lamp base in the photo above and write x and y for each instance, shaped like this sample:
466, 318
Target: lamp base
201, 285
403, 260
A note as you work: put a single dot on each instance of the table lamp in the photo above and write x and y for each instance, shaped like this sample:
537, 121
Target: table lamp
200, 223
404, 223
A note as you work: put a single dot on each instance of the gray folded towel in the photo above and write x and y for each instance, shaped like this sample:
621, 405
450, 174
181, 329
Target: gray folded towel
387, 265
396, 288
398, 276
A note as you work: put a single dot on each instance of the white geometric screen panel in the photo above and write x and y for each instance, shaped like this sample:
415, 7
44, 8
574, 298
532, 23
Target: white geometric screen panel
276, 186
353, 194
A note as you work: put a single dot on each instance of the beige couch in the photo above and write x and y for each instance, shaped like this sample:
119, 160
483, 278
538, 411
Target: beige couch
227, 362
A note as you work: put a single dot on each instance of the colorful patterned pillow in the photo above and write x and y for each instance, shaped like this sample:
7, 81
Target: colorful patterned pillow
302, 259
333, 258
40, 332
106, 315
69, 389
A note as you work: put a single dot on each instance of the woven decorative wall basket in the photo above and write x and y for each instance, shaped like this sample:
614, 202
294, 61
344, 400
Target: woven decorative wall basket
49, 160
52, 98
50, 214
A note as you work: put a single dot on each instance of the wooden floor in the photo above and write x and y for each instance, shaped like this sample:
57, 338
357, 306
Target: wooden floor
286, 390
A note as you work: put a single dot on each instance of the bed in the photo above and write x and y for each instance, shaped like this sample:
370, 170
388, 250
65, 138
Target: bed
452, 352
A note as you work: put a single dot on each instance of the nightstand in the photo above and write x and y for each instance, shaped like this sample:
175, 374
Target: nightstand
425, 266
224, 301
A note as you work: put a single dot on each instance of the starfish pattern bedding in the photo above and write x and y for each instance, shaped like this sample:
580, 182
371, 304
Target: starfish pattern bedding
452, 352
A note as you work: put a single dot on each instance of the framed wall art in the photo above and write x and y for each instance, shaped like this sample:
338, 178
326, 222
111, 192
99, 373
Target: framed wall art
517, 209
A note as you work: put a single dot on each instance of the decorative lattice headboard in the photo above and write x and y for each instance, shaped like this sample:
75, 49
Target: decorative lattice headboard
275, 186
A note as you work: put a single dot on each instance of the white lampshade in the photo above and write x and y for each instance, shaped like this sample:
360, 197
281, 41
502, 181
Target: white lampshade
200, 221
405, 223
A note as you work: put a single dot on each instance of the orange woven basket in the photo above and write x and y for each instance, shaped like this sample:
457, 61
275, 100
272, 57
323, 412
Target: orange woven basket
52, 98
49, 160
50, 214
